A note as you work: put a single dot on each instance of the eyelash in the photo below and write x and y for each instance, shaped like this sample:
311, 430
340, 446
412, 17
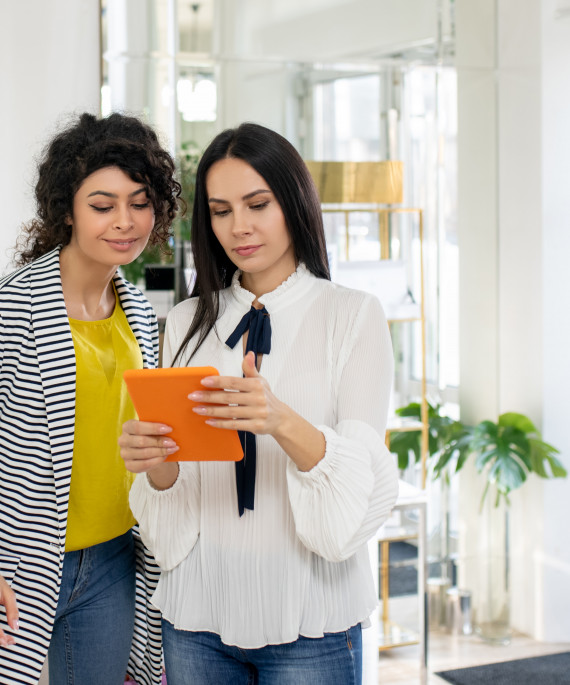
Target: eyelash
225, 212
103, 210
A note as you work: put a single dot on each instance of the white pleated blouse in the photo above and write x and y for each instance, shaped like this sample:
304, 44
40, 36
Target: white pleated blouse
297, 564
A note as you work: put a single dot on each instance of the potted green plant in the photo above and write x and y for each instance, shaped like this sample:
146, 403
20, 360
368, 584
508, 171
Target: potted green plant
506, 453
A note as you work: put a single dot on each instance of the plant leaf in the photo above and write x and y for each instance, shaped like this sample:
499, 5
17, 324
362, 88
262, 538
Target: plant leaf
508, 473
515, 420
542, 454
413, 409
406, 444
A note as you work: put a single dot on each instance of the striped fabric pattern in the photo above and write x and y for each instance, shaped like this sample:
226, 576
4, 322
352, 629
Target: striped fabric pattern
37, 408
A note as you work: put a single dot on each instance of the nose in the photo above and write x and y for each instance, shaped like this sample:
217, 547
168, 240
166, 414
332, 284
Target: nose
240, 226
123, 218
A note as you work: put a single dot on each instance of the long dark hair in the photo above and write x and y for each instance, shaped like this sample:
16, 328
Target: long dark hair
84, 146
281, 166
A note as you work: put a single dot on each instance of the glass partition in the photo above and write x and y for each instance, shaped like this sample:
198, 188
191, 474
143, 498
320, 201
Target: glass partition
193, 69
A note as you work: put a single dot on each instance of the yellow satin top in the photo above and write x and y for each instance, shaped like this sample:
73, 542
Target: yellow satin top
98, 500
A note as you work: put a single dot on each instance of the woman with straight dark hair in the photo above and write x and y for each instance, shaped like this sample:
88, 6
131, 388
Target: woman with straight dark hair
76, 576
265, 570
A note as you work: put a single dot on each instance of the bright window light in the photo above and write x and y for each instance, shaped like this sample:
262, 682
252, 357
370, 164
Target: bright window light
197, 99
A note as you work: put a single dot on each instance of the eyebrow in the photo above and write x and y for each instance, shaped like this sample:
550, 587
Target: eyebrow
245, 197
106, 194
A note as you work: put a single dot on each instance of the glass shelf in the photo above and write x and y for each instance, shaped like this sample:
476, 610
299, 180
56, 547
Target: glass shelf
399, 423
394, 635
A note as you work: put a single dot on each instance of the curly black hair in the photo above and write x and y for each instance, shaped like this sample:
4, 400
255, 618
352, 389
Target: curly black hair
86, 145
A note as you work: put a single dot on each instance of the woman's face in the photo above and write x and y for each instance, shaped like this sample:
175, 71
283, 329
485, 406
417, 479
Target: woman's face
112, 219
248, 222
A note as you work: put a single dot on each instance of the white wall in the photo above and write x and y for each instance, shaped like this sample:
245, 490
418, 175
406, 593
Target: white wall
554, 620
49, 54
514, 216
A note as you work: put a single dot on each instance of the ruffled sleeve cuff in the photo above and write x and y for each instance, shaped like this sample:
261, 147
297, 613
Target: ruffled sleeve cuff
169, 520
340, 503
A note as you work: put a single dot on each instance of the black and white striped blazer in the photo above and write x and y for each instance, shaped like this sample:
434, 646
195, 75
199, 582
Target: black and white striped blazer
37, 412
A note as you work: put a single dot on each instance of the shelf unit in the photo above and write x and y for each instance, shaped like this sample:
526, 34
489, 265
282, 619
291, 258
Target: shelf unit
406, 313
391, 633
347, 188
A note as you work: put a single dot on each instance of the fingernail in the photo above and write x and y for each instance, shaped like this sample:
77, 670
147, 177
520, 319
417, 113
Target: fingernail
210, 422
199, 410
195, 396
164, 429
171, 450
15, 625
168, 442
207, 381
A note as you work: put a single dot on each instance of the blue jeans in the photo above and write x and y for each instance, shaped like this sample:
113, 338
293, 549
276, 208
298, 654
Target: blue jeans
202, 658
94, 620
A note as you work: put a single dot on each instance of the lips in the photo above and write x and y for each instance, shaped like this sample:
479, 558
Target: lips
246, 250
121, 245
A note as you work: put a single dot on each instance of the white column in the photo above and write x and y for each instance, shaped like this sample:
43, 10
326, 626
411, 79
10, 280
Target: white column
50, 67
128, 48
478, 246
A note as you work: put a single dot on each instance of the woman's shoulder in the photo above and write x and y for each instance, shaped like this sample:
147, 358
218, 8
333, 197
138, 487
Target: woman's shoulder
180, 317
184, 310
343, 297
40, 269
16, 279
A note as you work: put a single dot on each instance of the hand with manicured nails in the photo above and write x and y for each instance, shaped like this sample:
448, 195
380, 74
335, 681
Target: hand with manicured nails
244, 403
144, 447
8, 599
248, 404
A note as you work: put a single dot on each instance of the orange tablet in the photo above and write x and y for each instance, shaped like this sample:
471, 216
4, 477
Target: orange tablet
161, 395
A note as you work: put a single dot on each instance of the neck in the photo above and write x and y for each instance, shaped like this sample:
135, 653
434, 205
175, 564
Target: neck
87, 289
263, 283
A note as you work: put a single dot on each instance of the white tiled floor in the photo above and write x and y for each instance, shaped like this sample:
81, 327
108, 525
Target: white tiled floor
399, 666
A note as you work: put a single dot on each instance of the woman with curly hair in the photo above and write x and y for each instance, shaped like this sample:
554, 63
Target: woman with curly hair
75, 578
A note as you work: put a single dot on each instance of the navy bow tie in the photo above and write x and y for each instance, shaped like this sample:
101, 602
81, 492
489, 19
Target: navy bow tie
259, 342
